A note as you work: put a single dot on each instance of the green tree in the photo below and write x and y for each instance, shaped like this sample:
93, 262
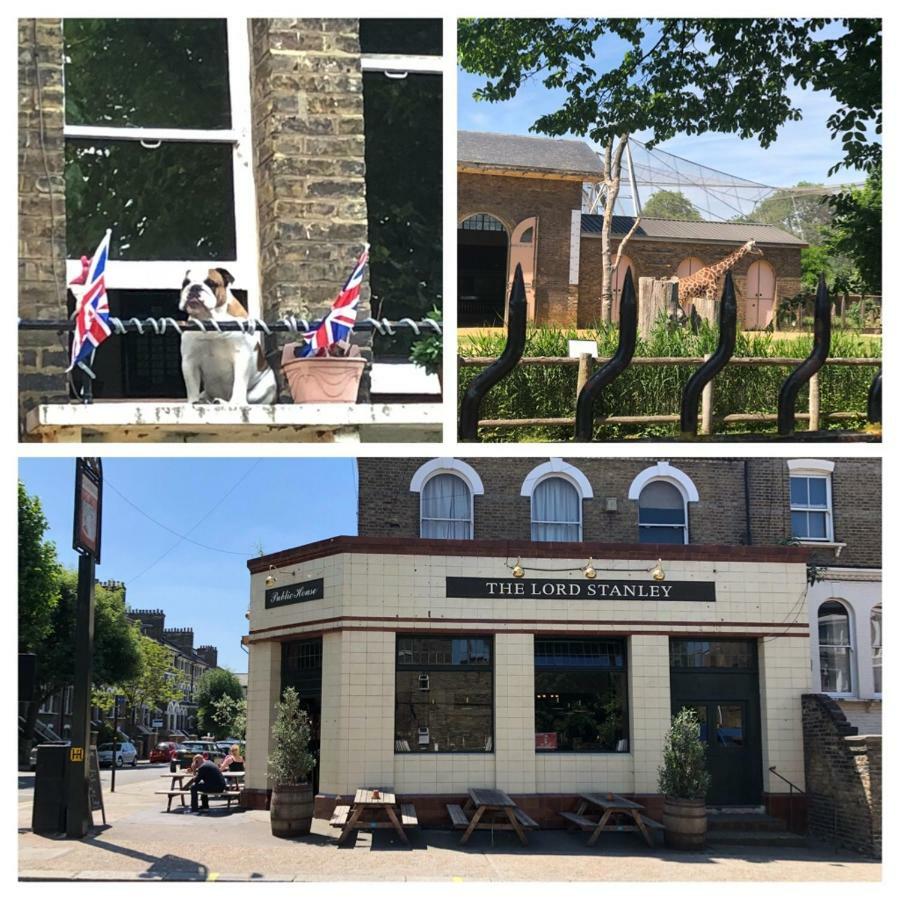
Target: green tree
231, 716
213, 685
670, 205
683, 76
38, 574
855, 230
803, 211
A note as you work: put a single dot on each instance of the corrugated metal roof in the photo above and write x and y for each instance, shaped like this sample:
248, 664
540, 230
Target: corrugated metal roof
675, 230
513, 151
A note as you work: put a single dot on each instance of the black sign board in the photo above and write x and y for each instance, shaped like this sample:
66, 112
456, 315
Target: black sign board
584, 589
88, 506
94, 789
295, 593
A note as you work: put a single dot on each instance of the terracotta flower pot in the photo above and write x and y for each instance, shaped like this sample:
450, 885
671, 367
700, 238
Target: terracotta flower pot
322, 379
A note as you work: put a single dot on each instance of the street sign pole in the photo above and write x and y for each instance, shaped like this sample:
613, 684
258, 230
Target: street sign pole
112, 776
86, 540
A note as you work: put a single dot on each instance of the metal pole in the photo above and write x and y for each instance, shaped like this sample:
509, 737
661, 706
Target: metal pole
112, 786
78, 815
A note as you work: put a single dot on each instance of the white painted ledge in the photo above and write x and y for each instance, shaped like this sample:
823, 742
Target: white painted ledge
174, 421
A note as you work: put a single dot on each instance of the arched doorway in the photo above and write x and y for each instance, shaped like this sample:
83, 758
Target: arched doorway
523, 252
688, 266
618, 282
759, 296
482, 252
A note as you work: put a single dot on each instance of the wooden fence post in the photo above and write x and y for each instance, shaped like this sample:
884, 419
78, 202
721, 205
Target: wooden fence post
814, 398
584, 372
654, 297
706, 406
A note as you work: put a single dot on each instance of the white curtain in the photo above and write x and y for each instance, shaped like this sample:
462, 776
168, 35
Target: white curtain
555, 511
446, 508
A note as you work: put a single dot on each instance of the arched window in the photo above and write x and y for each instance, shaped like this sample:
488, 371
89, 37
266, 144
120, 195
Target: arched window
662, 517
876, 649
835, 663
555, 511
446, 508
481, 222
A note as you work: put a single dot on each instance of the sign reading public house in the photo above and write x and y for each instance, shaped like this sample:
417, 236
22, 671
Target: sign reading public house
295, 593
536, 588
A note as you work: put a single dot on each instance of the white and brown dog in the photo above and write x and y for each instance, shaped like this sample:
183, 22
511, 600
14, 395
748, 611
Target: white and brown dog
227, 367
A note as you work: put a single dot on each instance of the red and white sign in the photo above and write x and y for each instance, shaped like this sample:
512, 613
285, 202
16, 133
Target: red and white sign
546, 740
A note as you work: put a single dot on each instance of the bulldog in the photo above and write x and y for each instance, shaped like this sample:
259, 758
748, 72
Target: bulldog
227, 367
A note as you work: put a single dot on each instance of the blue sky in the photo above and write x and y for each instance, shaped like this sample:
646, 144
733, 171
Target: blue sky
804, 150
276, 503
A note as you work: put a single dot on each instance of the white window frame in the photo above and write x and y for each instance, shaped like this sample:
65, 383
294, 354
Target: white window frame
168, 274
662, 471
854, 691
558, 468
813, 468
880, 608
399, 65
447, 465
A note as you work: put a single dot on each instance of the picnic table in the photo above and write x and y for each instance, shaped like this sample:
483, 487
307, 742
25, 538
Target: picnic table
374, 808
233, 783
484, 808
612, 809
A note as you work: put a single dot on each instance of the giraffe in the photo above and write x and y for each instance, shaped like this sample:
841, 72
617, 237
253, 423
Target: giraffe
705, 281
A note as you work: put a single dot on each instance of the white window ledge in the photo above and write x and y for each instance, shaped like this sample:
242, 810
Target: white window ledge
837, 546
163, 421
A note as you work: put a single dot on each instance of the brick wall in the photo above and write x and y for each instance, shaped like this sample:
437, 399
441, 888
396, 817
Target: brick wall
843, 777
387, 507
42, 214
660, 259
511, 200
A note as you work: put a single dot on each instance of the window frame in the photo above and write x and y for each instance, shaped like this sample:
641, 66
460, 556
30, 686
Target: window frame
879, 609
811, 468
423, 518
578, 523
662, 471
447, 465
167, 274
852, 656
684, 506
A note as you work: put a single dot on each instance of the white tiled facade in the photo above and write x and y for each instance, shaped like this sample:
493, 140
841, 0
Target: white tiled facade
368, 596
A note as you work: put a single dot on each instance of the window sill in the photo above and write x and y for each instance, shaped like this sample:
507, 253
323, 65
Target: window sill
173, 420
837, 546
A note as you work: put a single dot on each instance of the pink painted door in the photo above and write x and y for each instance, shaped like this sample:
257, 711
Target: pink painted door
688, 266
523, 251
618, 281
759, 300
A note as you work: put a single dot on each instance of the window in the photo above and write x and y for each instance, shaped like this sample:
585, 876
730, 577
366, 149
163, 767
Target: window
403, 117
555, 511
581, 695
663, 514
157, 148
445, 694
875, 623
702, 654
810, 493
446, 508
481, 222
834, 648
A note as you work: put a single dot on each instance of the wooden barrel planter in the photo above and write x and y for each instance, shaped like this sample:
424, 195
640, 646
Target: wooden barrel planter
685, 823
291, 810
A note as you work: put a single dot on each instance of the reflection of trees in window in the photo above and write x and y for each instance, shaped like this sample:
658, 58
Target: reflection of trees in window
152, 73
403, 118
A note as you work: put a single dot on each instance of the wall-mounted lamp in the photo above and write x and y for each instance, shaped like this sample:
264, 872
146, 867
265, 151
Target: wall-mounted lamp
657, 573
270, 578
518, 571
589, 570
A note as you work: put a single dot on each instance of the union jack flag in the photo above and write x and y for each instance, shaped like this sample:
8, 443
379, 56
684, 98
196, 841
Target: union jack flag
339, 322
92, 307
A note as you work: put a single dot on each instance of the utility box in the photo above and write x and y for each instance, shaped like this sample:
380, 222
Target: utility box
48, 814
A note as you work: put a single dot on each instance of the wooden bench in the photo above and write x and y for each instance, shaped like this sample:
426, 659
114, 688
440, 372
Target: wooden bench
525, 820
339, 816
457, 816
228, 796
582, 822
408, 815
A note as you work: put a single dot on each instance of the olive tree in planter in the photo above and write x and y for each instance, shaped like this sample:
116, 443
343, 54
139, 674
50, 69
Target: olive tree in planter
684, 781
290, 764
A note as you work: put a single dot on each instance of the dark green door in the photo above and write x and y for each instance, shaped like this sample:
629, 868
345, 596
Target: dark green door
720, 679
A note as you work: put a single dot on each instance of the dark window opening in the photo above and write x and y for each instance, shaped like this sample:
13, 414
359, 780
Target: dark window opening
702, 654
416, 37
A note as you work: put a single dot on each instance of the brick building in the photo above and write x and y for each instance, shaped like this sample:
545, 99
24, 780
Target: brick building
273, 148
520, 201
532, 624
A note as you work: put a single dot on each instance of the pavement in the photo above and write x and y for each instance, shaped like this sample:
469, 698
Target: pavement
141, 842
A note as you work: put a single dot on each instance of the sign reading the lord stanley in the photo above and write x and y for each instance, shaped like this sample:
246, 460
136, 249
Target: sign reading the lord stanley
537, 588
295, 593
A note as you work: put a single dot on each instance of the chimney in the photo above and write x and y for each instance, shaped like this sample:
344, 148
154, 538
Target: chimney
182, 638
209, 655
152, 621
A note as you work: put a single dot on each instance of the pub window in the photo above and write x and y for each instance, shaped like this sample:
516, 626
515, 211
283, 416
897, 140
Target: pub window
157, 131
581, 695
835, 648
811, 507
446, 508
444, 695
663, 514
689, 653
876, 649
555, 511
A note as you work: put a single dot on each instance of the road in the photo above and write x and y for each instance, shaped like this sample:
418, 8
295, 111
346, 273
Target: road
143, 771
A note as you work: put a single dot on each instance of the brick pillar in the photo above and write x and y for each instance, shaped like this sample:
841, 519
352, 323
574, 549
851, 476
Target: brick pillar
309, 150
42, 212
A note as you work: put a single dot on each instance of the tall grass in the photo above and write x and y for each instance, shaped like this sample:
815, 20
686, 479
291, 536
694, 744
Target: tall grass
530, 392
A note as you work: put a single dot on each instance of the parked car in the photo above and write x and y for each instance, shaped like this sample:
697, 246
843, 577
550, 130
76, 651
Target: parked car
189, 749
123, 752
163, 752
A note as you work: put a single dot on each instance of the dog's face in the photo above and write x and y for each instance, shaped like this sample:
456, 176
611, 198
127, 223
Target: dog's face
202, 293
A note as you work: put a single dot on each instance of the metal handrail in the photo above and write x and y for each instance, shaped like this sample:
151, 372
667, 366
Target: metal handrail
793, 787
774, 771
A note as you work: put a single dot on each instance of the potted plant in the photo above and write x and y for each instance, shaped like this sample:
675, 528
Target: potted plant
329, 377
290, 764
428, 350
684, 781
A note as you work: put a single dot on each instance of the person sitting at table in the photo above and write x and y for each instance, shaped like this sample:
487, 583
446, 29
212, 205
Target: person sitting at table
234, 761
207, 777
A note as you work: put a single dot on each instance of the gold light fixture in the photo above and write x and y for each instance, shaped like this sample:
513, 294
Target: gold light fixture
589, 570
518, 571
270, 578
657, 573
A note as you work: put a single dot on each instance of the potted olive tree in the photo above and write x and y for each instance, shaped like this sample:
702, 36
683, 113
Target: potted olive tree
684, 782
290, 764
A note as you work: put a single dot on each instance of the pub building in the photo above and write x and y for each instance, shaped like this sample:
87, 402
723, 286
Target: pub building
533, 626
